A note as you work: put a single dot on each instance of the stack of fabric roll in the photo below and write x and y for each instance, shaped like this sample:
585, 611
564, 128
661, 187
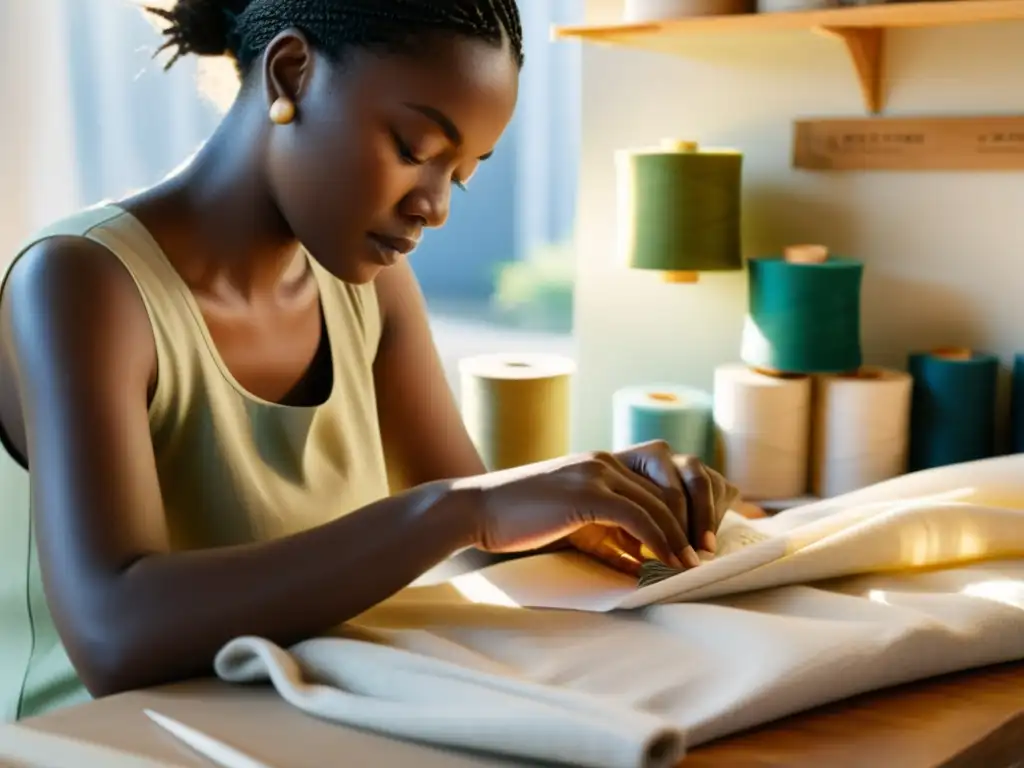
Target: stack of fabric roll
802, 414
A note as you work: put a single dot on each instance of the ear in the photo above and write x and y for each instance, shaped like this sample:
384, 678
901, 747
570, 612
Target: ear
288, 67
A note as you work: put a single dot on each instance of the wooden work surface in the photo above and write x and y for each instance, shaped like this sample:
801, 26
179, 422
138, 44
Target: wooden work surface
971, 719
961, 720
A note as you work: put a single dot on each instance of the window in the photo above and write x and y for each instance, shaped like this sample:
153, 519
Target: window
499, 276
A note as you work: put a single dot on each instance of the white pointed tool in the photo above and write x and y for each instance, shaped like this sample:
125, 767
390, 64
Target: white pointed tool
209, 747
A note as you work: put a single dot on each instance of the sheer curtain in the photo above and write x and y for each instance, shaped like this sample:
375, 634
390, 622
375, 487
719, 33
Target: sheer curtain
90, 114
37, 166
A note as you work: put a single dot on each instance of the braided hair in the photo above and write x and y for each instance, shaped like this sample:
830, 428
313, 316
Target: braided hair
242, 29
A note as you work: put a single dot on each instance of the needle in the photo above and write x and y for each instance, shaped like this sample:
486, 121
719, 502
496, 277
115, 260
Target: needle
217, 751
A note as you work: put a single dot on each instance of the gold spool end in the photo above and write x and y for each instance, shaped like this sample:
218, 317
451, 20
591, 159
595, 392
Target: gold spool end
806, 254
663, 397
959, 354
680, 277
777, 374
676, 145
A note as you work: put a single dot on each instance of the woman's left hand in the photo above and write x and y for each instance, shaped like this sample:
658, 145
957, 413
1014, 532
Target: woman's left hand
697, 495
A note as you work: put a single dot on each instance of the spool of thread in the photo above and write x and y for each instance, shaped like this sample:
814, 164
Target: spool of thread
679, 415
763, 424
952, 414
679, 208
861, 430
517, 407
640, 11
1017, 405
804, 314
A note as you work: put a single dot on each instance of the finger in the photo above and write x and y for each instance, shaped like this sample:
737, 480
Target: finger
700, 493
610, 508
729, 497
627, 484
642, 465
653, 463
612, 546
725, 494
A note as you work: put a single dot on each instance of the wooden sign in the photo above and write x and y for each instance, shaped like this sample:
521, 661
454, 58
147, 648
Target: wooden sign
910, 144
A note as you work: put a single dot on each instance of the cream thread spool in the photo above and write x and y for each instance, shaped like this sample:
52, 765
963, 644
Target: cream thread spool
762, 421
860, 431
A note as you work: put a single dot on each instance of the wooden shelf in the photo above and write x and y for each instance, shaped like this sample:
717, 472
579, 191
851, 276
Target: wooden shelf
860, 29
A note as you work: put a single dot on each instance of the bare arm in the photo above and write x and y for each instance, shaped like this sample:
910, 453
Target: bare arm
424, 436
422, 429
130, 612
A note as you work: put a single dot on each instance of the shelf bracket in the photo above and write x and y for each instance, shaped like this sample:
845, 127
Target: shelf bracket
865, 45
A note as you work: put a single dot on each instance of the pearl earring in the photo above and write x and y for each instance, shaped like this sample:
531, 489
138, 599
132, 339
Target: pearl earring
282, 111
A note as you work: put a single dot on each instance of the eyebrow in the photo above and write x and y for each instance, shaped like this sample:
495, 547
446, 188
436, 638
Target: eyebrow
445, 123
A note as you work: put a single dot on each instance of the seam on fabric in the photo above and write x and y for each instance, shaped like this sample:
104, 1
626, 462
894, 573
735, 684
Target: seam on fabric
31, 617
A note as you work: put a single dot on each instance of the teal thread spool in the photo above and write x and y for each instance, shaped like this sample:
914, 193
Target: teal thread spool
952, 412
681, 416
804, 314
680, 209
1017, 405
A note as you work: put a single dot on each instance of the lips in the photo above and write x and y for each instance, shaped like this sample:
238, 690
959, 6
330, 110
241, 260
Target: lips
400, 245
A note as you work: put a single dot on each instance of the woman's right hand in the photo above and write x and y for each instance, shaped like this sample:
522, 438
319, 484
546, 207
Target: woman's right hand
531, 507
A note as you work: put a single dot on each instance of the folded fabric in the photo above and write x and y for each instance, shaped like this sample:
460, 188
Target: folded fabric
409, 695
913, 578
937, 518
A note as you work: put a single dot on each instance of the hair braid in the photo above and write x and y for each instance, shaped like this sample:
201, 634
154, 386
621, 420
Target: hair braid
242, 29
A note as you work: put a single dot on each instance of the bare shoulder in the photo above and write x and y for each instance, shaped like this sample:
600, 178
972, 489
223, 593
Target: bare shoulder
74, 286
75, 270
70, 312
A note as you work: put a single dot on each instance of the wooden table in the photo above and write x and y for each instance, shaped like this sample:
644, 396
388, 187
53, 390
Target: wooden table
959, 721
965, 720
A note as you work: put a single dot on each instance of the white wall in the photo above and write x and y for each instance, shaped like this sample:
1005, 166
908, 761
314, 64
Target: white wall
944, 251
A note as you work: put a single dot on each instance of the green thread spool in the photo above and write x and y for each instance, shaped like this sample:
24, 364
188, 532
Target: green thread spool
804, 314
680, 209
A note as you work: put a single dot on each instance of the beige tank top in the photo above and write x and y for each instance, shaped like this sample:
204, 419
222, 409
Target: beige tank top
233, 468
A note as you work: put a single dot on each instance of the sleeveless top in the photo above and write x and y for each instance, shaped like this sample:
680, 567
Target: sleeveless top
233, 468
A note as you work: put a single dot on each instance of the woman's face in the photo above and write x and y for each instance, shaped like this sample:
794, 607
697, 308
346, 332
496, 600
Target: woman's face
381, 142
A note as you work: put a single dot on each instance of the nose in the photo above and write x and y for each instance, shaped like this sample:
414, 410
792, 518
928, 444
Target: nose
430, 201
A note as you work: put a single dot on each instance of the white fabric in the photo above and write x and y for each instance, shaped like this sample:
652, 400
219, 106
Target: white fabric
926, 576
29, 748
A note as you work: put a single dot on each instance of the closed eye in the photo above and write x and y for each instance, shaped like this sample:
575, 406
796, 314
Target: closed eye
404, 150
408, 156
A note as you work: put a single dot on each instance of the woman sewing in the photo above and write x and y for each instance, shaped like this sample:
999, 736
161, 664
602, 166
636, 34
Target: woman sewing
206, 385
